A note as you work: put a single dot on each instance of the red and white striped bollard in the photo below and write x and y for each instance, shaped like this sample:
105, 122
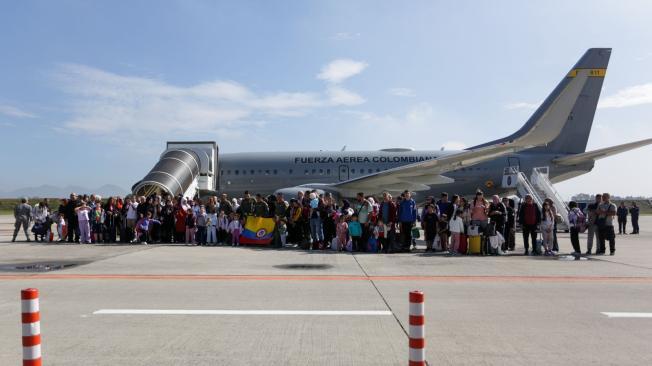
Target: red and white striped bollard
31, 319
417, 332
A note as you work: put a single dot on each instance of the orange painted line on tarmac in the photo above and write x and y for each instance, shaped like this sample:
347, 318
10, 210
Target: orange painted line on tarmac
182, 277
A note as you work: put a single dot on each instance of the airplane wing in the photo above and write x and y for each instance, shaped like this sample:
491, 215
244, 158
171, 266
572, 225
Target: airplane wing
543, 128
576, 159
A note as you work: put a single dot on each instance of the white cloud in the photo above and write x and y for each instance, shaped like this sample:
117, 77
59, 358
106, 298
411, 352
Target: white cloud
340, 70
12, 111
103, 102
345, 36
627, 97
401, 92
342, 96
521, 105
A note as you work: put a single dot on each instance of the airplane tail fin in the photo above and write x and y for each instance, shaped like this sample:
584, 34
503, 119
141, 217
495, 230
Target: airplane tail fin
574, 102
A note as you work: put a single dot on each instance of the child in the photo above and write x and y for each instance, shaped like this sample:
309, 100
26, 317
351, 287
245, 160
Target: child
201, 221
342, 233
212, 228
442, 230
235, 228
283, 232
84, 227
380, 233
61, 227
143, 226
456, 227
222, 228
429, 225
355, 231
97, 219
190, 227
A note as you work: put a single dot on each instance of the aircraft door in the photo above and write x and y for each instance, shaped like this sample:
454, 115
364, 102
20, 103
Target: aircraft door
514, 161
344, 173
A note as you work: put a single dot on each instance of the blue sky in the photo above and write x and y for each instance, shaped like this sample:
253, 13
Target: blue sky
90, 91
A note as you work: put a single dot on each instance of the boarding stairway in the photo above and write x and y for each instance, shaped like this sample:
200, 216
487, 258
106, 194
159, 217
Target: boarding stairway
539, 187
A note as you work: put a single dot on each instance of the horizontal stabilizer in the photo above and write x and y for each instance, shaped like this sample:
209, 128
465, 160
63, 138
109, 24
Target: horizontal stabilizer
600, 153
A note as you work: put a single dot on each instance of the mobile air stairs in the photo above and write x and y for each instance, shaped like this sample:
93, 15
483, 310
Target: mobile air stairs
539, 187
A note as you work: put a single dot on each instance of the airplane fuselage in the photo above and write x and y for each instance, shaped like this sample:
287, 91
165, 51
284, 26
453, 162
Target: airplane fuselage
266, 173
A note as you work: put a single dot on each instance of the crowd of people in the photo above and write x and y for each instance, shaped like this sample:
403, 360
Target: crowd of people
315, 221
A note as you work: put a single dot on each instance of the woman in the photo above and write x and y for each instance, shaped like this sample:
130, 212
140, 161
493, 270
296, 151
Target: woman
547, 226
429, 226
479, 211
111, 215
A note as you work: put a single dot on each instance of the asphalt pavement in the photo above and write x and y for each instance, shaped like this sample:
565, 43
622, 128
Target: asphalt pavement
179, 305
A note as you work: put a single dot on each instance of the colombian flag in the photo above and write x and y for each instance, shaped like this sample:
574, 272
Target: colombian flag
258, 230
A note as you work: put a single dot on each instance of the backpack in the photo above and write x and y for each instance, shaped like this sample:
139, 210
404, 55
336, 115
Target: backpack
581, 221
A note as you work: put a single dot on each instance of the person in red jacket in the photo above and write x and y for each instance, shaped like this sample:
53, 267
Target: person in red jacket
180, 224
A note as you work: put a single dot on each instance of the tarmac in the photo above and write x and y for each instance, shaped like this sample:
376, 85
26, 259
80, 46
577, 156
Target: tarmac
180, 305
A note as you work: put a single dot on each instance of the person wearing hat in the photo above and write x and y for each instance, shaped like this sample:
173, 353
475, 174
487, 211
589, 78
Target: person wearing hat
23, 216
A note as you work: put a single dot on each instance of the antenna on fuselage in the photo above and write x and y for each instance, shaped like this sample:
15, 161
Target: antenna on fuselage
343, 148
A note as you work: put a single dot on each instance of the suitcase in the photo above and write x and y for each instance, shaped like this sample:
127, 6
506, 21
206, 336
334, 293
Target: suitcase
474, 230
475, 244
464, 244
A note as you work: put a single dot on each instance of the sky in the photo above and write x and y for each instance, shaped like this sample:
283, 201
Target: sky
90, 91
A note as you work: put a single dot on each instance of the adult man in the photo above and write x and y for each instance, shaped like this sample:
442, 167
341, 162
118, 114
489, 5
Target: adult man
71, 218
407, 215
634, 211
592, 215
388, 215
261, 209
225, 205
23, 216
622, 218
247, 205
529, 216
605, 220
280, 206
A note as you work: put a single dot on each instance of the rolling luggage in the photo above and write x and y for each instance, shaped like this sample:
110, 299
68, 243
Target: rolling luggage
464, 244
475, 244
474, 230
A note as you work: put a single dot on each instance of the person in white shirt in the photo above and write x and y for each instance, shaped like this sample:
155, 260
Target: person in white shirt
235, 228
456, 227
84, 225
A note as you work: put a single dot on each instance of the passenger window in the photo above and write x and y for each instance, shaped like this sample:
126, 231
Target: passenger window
314, 171
252, 172
221, 172
321, 171
328, 172
266, 171
377, 170
370, 171
228, 172
353, 171
237, 172
275, 171
290, 171
306, 172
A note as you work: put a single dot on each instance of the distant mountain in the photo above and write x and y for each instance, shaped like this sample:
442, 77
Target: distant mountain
62, 192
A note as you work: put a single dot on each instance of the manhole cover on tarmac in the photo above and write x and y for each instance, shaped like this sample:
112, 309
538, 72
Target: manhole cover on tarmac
303, 266
36, 267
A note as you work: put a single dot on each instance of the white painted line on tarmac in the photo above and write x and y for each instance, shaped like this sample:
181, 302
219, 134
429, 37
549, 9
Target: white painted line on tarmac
627, 315
238, 312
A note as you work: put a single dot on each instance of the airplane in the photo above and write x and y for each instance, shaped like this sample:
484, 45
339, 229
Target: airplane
554, 137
